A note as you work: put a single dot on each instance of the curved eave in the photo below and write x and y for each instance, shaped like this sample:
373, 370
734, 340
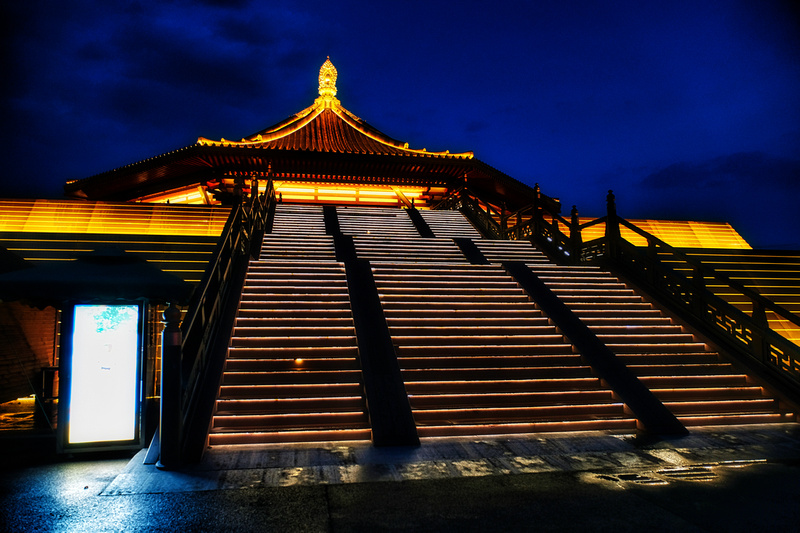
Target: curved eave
328, 127
108, 185
197, 163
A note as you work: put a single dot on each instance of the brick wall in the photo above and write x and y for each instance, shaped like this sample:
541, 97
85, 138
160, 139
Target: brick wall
27, 344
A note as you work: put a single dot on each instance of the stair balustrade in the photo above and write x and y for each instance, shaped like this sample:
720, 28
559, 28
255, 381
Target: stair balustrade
205, 331
747, 335
482, 214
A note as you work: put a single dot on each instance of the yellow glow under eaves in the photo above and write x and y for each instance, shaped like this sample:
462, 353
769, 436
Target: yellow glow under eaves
383, 193
347, 193
324, 198
303, 190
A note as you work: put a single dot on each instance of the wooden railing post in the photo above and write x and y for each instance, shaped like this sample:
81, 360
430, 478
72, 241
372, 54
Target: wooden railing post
652, 262
537, 229
760, 315
698, 278
652, 251
253, 185
612, 224
760, 342
170, 426
575, 238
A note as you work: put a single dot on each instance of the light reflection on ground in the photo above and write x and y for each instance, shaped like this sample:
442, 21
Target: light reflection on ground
23, 414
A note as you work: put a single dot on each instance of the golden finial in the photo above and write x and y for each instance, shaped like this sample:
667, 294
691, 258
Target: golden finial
327, 79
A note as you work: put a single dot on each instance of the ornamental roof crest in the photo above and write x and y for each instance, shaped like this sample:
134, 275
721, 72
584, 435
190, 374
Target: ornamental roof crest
327, 78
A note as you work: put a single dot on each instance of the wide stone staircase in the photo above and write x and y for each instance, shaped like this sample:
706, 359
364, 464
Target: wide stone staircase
477, 355
292, 373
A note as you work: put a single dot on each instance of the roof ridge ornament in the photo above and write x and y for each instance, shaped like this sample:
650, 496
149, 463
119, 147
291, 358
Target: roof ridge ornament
327, 84
327, 78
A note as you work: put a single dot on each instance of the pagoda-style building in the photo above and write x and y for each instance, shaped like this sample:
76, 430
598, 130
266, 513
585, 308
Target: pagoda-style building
321, 281
323, 154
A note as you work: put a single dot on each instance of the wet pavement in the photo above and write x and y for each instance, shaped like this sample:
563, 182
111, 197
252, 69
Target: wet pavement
740, 479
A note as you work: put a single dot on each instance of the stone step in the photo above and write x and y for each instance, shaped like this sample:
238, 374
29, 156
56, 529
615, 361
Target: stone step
282, 421
273, 331
294, 352
499, 349
292, 390
496, 414
322, 377
494, 373
489, 400
294, 341
720, 406
562, 424
477, 329
252, 437
682, 369
344, 404
444, 362
479, 340
497, 386
295, 365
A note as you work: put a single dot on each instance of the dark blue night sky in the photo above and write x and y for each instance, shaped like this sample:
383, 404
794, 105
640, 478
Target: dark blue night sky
688, 110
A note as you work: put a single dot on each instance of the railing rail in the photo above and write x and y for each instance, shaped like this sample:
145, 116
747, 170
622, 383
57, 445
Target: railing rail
493, 221
481, 213
233, 250
701, 272
749, 335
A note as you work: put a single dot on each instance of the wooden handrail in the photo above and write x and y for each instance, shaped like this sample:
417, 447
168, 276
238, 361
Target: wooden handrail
448, 201
462, 199
706, 271
594, 222
240, 240
750, 336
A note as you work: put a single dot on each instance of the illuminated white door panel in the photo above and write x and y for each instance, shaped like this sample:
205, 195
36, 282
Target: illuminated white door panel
104, 388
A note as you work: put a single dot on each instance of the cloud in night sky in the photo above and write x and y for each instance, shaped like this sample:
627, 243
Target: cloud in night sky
650, 99
744, 170
740, 188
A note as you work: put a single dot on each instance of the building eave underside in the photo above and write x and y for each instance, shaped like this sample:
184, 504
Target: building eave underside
195, 164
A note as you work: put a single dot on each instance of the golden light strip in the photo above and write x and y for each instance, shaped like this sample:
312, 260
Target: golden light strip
53, 216
345, 193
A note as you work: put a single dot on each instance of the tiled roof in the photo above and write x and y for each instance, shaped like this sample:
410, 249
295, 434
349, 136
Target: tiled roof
328, 127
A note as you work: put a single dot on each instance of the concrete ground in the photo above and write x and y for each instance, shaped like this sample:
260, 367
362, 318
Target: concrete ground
740, 479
